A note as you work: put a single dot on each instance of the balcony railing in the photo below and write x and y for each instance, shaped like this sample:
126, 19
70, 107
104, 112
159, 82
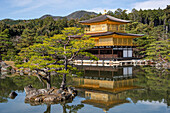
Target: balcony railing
87, 30
109, 44
107, 56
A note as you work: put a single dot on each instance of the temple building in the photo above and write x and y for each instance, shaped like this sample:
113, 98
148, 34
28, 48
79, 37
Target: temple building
109, 34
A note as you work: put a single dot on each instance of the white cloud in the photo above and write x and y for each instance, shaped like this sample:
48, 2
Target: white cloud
98, 10
151, 4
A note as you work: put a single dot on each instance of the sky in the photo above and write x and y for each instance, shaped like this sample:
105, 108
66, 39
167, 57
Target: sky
31, 9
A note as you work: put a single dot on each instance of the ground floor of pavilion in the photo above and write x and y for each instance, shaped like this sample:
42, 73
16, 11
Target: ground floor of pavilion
112, 52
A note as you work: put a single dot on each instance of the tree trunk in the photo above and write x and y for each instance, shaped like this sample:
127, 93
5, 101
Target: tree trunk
39, 77
63, 84
64, 108
48, 110
48, 80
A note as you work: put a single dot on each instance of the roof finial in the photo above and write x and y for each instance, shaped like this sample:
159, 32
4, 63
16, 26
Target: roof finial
104, 12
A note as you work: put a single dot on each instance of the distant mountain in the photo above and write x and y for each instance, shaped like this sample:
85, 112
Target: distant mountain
11, 21
8, 20
79, 14
74, 15
54, 17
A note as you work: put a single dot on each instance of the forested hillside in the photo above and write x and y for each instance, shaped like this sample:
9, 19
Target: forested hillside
155, 24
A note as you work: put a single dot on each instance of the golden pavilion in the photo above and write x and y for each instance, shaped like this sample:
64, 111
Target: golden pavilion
109, 34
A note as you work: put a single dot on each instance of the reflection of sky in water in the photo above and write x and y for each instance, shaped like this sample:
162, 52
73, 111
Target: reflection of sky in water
18, 106
141, 107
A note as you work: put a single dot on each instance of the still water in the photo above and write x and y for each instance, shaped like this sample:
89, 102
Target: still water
101, 89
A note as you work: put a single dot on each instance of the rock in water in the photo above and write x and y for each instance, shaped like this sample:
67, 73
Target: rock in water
12, 95
52, 95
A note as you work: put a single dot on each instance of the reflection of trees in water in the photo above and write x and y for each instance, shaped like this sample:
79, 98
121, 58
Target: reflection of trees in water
48, 110
149, 95
156, 83
65, 105
66, 108
18, 82
71, 108
10, 84
6, 86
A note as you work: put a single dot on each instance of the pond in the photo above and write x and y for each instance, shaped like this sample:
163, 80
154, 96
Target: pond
128, 89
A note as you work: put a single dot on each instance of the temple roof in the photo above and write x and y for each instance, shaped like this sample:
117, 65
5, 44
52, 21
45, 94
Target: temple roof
108, 33
102, 104
103, 18
129, 34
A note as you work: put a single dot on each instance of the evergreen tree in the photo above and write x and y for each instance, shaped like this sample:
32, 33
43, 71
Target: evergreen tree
28, 38
5, 43
159, 51
55, 54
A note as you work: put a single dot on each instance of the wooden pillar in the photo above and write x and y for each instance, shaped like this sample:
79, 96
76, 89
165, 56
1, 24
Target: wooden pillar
99, 53
112, 53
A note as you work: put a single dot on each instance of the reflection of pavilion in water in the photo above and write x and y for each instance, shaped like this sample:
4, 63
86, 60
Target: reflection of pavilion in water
104, 100
106, 87
112, 80
108, 73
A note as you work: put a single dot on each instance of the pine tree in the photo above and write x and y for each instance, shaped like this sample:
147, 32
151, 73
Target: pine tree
5, 43
55, 54
159, 51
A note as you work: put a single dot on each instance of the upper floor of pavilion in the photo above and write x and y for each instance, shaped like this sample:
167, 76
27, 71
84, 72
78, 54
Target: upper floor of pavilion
104, 23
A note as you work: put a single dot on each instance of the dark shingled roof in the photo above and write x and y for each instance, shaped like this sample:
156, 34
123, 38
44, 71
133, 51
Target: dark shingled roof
108, 33
128, 34
104, 17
